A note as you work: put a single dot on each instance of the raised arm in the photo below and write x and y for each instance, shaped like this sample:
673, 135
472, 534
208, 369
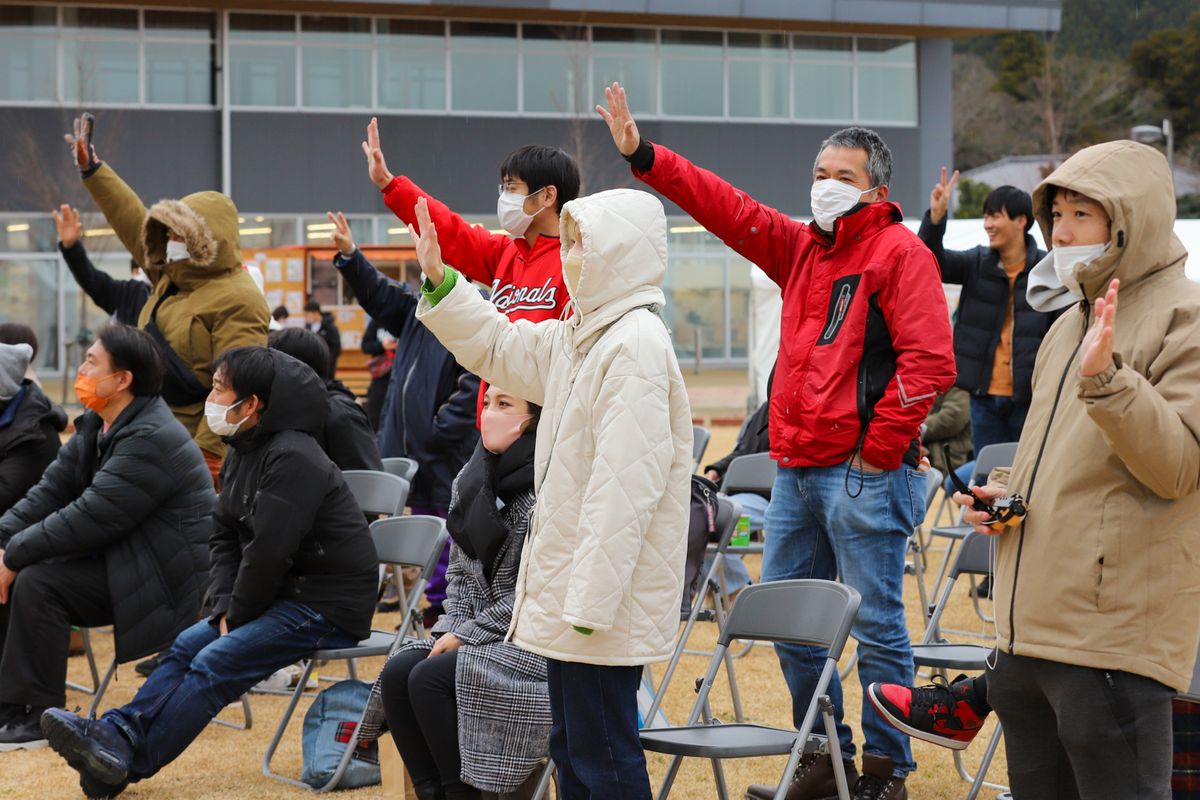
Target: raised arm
954, 264
470, 248
757, 232
388, 303
121, 298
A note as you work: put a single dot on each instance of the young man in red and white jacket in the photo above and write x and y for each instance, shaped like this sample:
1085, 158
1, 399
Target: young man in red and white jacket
865, 347
524, 270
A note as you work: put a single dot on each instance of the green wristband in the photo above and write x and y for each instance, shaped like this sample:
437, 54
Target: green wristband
584, 631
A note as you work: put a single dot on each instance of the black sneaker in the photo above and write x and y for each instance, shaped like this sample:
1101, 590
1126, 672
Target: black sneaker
946, 714
431, 615
984, 589
147, 666
95, 790
93, 748
877, 782
21, 730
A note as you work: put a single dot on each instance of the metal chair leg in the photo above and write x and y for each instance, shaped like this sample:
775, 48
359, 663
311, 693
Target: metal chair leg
282, 728
247, 717
101, 688
543, 784
91, 660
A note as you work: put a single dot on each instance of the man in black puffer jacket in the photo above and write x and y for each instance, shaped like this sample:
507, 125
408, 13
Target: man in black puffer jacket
294, 570
996, 332
115, 532
347, 437
29, 426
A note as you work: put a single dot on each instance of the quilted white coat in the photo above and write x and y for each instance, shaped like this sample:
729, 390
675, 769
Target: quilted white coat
613, 458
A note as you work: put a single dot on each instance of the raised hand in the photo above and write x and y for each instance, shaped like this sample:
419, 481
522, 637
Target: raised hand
376, 166
342, 238
1097, 346
66, 220
939, 198
80, 139
620, 122
429, 252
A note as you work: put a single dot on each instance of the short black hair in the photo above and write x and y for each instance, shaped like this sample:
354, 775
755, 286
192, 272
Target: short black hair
312, 305
248, 370
280, 312
136, 351
1012, 202
540, 165
18, 333
879, 155
302, 345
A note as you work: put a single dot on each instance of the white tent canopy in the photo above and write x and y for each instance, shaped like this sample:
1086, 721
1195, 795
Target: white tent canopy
961, 234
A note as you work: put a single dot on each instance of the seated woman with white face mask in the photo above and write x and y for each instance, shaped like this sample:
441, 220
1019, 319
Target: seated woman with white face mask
468, 711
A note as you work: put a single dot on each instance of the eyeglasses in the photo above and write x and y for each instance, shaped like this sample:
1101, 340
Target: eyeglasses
500, 189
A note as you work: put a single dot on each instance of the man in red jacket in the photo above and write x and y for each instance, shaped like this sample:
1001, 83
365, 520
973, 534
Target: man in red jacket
865, 347
524, 270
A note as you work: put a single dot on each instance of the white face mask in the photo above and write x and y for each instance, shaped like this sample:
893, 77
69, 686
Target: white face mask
831, 199
1067, 258
177, 251
215, 413
510, 208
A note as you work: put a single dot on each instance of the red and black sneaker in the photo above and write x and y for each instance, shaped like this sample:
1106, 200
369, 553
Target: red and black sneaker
946, 714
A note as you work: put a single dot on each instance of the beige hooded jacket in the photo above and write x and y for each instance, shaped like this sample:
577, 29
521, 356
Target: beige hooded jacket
1105, 570
611, 469
217, 305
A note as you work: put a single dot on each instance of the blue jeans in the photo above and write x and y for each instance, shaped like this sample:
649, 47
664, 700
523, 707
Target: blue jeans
204, 671
996, 420
737, 577
817, 530
594, 731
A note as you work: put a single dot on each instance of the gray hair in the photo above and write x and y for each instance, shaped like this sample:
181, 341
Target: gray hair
879, 157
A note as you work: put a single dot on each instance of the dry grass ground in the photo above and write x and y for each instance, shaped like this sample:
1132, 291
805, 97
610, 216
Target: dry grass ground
224, 763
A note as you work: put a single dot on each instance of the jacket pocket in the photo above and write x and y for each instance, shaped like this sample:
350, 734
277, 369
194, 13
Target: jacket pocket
1108, 555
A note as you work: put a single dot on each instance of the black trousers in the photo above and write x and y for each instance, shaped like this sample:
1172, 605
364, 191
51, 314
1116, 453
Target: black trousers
422, 713
35, 627
1078, 733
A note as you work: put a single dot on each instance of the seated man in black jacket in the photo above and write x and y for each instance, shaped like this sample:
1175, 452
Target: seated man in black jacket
29, 426
294, 570
347, 437
113, 533
120, 299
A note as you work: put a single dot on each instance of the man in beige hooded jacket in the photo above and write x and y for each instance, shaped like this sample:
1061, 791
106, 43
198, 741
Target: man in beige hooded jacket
1098, 590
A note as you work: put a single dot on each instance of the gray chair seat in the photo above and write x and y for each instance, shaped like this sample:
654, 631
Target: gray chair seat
951, 656
379, 643
952, 531
736, 740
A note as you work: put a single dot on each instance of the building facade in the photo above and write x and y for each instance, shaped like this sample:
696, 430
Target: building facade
269, 100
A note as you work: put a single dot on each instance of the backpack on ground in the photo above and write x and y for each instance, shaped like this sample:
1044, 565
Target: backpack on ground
328, 727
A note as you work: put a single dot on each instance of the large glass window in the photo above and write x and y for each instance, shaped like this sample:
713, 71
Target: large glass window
555, 68
28, 53
887, 80
262, 73
336, 61
100, 55
627, 56
483, 64
758, 75
179, 57
29, 294
823, 77
693, 79
412, 64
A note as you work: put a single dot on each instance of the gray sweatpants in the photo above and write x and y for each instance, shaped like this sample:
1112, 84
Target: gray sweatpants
1077, 733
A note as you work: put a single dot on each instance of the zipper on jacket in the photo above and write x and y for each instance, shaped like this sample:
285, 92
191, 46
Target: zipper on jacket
1012, 602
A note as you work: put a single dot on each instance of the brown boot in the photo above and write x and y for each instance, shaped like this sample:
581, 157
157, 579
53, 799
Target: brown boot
814, 781
877, 782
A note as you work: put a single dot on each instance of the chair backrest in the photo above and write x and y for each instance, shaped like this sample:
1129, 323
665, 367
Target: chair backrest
377, 492
413, 541
754, 473
933, 482
728, 514
974, 556
808, 611
402, 467
993, 456
700, 438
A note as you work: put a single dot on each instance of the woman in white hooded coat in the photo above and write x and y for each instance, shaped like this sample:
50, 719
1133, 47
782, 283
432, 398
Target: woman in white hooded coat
601, 576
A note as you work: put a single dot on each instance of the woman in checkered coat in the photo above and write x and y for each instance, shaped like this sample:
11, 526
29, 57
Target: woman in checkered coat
469, 711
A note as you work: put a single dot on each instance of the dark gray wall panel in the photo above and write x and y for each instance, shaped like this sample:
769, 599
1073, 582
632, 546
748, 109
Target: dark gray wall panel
287, 163
160, 154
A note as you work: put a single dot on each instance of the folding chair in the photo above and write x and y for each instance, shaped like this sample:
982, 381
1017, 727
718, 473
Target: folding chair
710, 587
401, 467
377, 492
933, 479
749, 474
974, 558
400, 541
810, 612
700, 438
988, 459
